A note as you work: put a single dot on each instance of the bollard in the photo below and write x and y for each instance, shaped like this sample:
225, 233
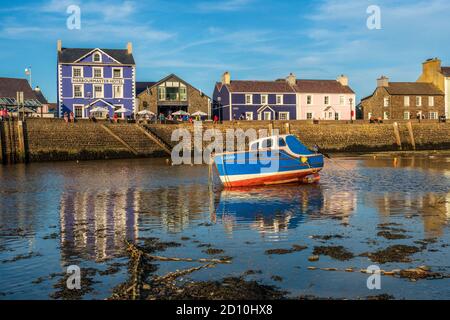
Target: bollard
397, 135
411, 134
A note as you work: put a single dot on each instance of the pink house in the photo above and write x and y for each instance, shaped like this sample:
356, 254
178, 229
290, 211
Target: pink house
325, 99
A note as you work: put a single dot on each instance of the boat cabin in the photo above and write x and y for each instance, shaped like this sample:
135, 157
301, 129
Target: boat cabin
285, 142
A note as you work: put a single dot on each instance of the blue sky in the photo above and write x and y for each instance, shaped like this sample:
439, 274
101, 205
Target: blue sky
253, 39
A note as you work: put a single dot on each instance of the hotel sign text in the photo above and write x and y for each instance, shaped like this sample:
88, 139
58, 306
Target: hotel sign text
97, 81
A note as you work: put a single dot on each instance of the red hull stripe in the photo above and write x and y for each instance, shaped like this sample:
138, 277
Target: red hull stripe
270, 180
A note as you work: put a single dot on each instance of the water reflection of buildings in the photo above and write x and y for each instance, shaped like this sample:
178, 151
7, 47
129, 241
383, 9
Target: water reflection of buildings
434, 209
275, 210
95, 225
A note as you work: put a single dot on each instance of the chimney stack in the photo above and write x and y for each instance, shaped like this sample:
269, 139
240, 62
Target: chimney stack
343, 80
59, 45
130, 48
383, 82
291, 79
226, 78
432, 66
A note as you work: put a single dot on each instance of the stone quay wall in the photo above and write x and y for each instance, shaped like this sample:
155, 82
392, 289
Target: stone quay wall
336, 137
55, 140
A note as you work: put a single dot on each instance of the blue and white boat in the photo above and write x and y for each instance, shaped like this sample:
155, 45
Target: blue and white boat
271, 160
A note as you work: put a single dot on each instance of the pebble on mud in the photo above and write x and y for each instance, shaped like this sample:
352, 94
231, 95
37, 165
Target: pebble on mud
313, 258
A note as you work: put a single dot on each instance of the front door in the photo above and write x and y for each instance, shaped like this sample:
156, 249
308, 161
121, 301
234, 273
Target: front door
267, 115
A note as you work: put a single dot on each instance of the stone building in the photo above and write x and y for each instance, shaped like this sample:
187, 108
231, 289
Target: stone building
283, 99
94, 79
170, 95
434, 73
403, 101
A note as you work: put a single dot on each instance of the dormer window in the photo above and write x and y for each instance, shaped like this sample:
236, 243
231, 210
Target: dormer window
97, 57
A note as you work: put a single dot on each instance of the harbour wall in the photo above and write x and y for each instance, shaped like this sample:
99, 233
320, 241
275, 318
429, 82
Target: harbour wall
54, 140
339, 136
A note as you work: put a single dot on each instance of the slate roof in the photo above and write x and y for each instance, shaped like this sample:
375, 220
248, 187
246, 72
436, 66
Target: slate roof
40, 97
412, 88
70, 55
322, 86
260, 86
10, 86
142, 86
446, 71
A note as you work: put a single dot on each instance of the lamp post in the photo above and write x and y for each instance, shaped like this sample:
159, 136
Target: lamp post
219, 99
351, 110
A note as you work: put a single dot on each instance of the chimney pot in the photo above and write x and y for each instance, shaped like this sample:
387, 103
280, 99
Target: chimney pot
226, 78
291, 79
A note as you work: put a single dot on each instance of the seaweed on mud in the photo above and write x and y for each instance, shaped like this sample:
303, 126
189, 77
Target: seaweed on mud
64, 293
295, 248
335, 252
153, 245
327, 237
395, 253
251, 272
392, 236
226, 289
276, 278
212, 251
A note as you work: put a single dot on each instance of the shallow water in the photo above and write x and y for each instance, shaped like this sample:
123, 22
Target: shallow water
53, 215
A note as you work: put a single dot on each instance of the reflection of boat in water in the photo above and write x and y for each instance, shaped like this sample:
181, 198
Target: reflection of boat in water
278, 208
272, 160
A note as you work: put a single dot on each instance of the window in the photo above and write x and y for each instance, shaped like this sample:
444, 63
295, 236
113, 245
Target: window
183, 93
97, 57
386, 101
78, 111
431, 102
418, 101
336, 116
98, 72
386, 115
326, 100
77, 72
264, 99
433, 115
406, 115
249, 116
280, 99
341, 100
283, 116
162, 93
117, 73
117, 91
309, 116
308, 99
248, 99
78, 91
98, 91
406, 101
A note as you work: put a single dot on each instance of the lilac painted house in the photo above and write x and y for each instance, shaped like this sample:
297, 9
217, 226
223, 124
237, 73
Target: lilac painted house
284, 99
96, 82
254, 100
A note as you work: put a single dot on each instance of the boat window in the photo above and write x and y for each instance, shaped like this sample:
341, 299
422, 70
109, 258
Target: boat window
266, 144
281, 142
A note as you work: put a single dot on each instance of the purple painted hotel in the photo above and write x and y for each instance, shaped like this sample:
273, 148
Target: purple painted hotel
96, 82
